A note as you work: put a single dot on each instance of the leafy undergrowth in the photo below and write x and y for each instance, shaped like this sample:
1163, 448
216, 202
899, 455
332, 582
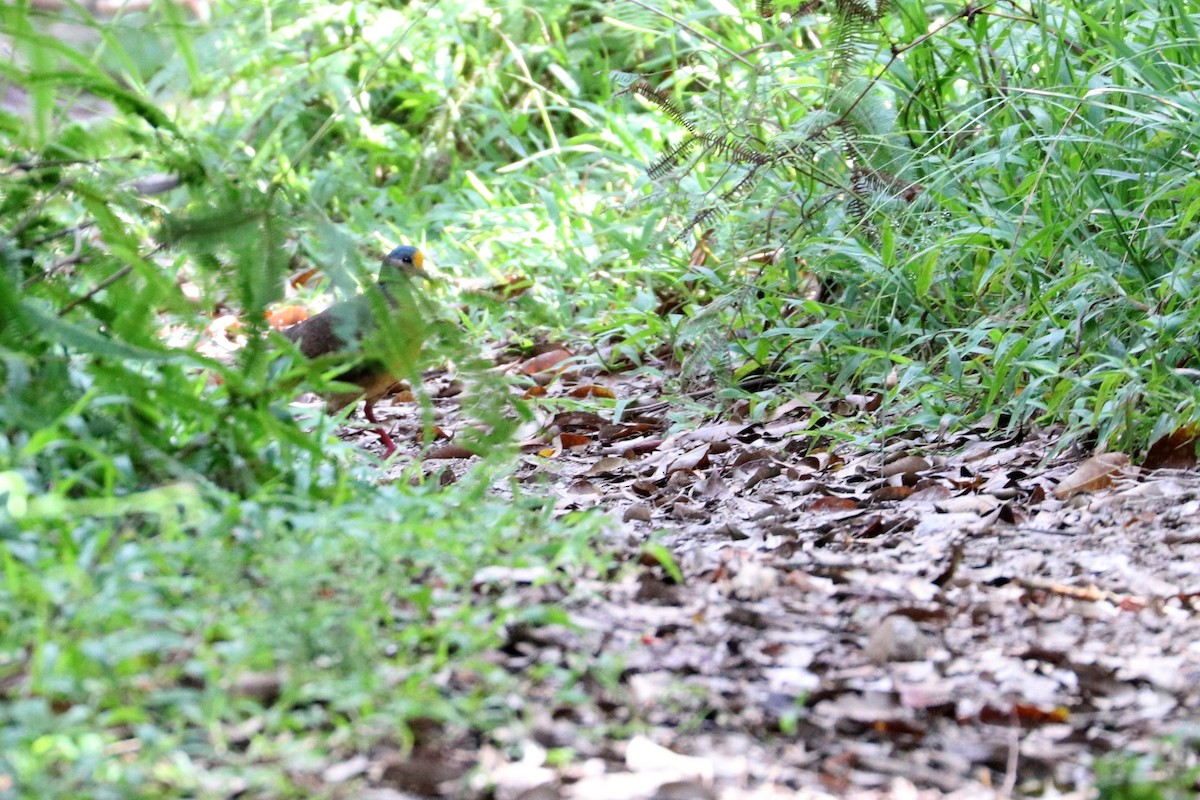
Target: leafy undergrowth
178, 653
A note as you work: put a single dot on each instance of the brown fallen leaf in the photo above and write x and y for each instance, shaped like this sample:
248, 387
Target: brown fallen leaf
450, 451
534, 391
833, 504
1175, 450
610, 465
907, 467
286, 316
1093, 475
592, 390
545, 362
580, 420
696, 458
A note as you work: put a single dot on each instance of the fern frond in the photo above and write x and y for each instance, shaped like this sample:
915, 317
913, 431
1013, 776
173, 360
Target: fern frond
706, 336
705, 215
742, 187
851, 38
669, 160
661, 99
733, 151
865, 10
865, 107
877, 180
699, 220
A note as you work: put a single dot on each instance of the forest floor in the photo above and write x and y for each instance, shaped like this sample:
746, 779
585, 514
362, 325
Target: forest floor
939, 614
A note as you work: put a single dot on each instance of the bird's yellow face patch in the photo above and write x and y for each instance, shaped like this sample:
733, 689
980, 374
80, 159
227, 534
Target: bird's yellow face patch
419, 260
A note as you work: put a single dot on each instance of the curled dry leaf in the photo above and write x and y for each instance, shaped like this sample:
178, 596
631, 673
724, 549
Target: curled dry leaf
833, 504
1093, 475
696, 458
610, 465
583, 420
534, 391
907, 467
592, 390
286, 316
305, 277
450, 451
546, 362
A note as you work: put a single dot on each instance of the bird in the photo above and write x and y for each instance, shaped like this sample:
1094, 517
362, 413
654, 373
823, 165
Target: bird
375, 332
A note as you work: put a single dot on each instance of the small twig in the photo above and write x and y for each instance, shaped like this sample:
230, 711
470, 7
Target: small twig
73, 229
97, 289
104, 284
35, 209
31, 166
74, 258
1014, 756
695, 31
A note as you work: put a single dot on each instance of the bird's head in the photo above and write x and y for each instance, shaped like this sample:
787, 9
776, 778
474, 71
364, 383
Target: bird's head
408, 260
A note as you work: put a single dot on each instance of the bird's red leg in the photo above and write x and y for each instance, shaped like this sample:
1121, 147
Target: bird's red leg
389, 446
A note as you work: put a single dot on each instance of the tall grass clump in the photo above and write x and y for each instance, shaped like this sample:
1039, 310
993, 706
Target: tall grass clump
980, 211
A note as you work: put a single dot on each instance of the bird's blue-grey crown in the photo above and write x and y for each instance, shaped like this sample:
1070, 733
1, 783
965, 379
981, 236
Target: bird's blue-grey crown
407, 258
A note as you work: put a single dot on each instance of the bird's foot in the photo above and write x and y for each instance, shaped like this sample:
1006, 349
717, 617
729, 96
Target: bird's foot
389, 446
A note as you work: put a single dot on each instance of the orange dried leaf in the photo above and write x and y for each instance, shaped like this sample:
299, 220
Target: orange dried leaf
574, 439
545, 362
450, 451
885, 493
304, 277
534, 391
286, 316
833, 504
592, 390
1093, 475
